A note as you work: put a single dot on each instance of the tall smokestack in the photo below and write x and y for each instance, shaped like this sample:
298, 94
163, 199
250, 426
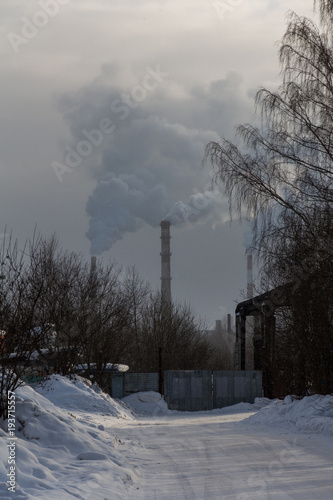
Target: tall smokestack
93, 264
249, 277
229, 323
165, 261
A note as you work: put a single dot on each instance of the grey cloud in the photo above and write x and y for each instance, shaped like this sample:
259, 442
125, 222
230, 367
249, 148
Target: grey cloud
151, 166
153, 159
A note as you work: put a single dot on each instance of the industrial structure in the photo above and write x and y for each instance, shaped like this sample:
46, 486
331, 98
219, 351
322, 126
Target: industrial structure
249, 277
262, 308
165, 261
243, 345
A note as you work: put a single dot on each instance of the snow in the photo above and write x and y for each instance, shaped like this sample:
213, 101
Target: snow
54, 447
312, 413
81, 397
108, 366
147, 403
75, 442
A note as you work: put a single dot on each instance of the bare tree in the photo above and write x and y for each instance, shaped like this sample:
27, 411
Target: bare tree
56, 313
286, 166
103, 322
20, 313
281, 177
137, 292
170, 337
303, 350
58, 273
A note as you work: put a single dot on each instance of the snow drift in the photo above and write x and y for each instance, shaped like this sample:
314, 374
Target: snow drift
55, 448
67, 438
312, 413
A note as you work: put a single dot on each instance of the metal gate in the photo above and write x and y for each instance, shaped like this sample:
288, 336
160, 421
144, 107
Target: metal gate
197, 390
124, 384
234, 386
188, 390
193, 390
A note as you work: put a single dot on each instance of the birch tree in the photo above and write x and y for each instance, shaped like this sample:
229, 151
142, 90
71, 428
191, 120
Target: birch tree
280, 176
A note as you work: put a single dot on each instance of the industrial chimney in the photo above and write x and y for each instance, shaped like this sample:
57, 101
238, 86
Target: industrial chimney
165, 261
93, 265
249, 277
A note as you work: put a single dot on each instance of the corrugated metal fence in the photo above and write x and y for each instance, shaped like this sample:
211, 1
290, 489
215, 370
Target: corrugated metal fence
188, 390
137, 382
194, 390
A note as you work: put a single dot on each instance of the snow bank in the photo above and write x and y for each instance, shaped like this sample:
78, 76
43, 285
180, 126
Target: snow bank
312, 413
148, 403
54, 450
152, 404
63, 451
243, 407
79, 396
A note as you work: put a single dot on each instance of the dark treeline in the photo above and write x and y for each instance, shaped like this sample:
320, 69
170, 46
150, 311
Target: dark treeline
58, 312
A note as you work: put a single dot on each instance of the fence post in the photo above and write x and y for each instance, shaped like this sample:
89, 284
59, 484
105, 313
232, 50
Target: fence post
160, 373
117, 385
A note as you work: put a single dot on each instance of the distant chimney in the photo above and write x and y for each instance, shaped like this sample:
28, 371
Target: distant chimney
93, 265
165, 261
229, 323
218, 326
249, 277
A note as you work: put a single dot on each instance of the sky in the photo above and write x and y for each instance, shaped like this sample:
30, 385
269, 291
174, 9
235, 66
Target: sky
106, 110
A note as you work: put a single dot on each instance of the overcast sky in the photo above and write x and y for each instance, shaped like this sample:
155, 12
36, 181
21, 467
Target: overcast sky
106, 109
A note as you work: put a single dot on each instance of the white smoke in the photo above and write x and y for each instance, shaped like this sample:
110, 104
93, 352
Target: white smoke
146, 167
152, 158
198, 207
119, 205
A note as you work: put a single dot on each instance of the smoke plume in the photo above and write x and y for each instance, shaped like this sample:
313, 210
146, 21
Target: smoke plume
198, 207
150, 167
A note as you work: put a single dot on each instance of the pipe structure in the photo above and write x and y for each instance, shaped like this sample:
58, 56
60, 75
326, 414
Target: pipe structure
93, 264
240, 346
229, 323
249, 277
165, 260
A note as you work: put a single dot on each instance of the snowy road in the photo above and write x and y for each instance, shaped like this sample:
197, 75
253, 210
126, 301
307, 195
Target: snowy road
74, 442
199, 457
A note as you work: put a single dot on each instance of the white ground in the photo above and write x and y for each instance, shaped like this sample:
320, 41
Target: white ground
76, 443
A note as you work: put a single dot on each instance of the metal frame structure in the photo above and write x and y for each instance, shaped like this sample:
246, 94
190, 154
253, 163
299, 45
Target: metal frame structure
262, 306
